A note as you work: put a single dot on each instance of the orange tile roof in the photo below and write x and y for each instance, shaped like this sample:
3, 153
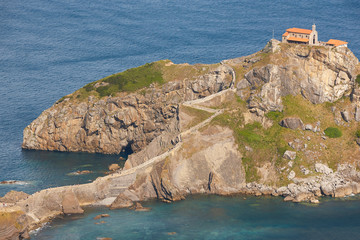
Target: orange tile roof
285, 34
299, 30
295, 39
336, 42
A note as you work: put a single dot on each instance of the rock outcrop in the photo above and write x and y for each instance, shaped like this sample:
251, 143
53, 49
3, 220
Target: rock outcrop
13, 197
112, 124
320, 74
292, 123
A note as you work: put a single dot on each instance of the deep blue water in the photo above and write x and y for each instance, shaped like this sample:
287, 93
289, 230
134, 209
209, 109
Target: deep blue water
51, 48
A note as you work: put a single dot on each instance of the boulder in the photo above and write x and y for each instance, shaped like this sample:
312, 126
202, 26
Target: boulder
358, 141
321, 168
314, 200
290, 155
327, 188
343, 191
13, 197
70, 204
303, 196
292, 123
346, 116
288, 199
357, 113
291, 175
309, 127
113, 167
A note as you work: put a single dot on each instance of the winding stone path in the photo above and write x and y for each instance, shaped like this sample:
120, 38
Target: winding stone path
119, 177
122, 180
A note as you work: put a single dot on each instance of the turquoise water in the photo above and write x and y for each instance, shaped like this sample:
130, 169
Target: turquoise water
49, 49
214, 217
42, 169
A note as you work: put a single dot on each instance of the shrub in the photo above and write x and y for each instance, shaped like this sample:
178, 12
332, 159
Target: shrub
358, 79
333, 132
357, 133
89, 87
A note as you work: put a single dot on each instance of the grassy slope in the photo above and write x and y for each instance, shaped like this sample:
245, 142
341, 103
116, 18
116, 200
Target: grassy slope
270, 144
139, 78
197, 116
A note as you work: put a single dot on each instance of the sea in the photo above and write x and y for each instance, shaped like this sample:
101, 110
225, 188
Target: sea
51, 48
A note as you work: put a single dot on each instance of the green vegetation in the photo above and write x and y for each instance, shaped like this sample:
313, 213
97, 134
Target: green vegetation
274, 115
196, 114
251, 174
268, 144
129, 80
358, 79
141, 77
250, 133
296, 106
357, 133
333, 132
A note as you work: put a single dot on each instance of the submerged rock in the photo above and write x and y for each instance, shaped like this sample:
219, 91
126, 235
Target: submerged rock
138, 207
101, 216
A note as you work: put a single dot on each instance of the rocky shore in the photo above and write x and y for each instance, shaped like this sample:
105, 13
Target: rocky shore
251, 125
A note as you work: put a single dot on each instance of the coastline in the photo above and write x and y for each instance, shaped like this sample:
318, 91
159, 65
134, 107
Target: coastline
215, 166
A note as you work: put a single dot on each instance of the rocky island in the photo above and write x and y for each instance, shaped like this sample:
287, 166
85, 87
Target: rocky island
284, 121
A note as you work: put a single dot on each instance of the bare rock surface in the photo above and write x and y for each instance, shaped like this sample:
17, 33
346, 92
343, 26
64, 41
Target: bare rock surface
319, 74
290, 155
112, 124
292, 123
357, 113
321, 168
13, 197
70, 204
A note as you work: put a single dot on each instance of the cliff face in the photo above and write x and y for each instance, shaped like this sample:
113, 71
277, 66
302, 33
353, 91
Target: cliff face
319, 74
111, 124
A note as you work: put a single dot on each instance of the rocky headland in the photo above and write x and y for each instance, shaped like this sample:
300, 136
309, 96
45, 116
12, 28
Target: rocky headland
284, 121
